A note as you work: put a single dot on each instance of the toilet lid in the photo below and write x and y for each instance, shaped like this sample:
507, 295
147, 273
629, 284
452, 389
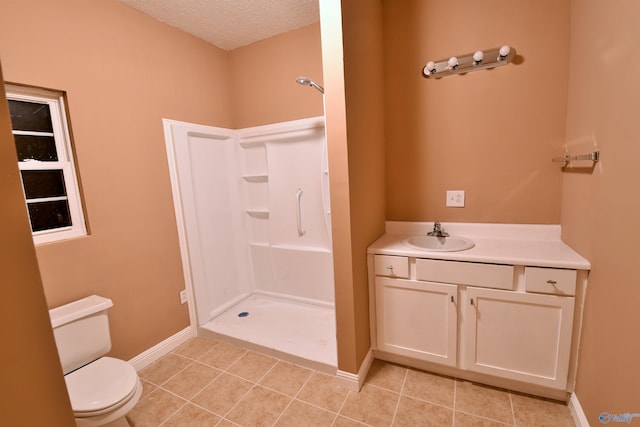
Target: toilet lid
101, 384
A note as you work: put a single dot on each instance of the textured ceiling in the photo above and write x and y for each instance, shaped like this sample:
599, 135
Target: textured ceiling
229, 24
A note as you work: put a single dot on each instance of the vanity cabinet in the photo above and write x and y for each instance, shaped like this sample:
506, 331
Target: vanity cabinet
520, 336
497, 320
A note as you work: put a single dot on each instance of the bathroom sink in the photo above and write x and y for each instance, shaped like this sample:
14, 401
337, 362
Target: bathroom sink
441, 244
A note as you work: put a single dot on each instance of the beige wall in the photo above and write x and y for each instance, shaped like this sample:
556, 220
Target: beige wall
336, 129
123, 72
600, 210
28, 355
263, 78
352, 30
490, 133
365, 109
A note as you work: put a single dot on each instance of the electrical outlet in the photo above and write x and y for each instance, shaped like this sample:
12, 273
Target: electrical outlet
455, 199
183, 296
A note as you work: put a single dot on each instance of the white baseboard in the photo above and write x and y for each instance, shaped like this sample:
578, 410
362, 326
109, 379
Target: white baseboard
354, 382
149, 356
576, 412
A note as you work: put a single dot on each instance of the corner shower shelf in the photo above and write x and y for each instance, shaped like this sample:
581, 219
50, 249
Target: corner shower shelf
255, 178
258, 213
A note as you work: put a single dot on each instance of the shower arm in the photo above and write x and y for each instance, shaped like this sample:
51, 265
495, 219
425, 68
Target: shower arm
317, 86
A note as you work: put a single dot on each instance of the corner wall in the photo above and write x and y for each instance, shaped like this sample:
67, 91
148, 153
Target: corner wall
263, 78
600, 208
352, 55
123, 72
31, 370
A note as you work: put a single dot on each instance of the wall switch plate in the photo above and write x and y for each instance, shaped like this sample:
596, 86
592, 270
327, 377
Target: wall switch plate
455, 199
183, 296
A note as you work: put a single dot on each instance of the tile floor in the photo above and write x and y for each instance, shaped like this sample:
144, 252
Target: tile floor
211, 383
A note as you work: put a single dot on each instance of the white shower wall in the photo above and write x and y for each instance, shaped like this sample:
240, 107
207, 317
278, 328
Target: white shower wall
243, 199
286, 181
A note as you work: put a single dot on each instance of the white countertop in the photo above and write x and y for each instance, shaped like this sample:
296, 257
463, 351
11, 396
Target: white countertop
532, 245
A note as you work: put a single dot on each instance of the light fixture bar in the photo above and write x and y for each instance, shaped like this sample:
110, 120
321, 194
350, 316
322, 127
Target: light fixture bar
479, 60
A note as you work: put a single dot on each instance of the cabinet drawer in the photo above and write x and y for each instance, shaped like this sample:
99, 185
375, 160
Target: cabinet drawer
466, 273
392, 266
550, 280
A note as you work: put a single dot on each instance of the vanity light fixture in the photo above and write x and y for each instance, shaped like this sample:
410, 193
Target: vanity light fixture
470, 62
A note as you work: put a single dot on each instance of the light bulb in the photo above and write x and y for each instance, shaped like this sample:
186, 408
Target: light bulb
504, 51
453, 62
478, 56
430, 68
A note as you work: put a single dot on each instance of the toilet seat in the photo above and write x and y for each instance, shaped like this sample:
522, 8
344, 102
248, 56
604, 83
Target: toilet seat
101, 386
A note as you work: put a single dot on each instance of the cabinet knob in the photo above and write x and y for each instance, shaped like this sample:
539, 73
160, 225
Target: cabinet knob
390, 268
552, 283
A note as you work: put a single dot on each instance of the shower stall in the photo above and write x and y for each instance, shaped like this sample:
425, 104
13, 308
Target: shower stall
252, 207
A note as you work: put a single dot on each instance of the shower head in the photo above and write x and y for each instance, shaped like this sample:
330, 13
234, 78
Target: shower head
306, 81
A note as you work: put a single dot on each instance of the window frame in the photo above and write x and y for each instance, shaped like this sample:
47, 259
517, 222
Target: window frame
65, 162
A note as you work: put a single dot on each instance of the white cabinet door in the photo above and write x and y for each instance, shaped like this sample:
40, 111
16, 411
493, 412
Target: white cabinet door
417, 319
524, 337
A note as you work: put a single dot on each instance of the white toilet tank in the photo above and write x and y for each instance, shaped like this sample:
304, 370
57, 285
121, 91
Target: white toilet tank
81, 330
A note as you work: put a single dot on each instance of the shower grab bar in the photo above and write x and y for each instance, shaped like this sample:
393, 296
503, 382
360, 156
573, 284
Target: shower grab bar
299, 193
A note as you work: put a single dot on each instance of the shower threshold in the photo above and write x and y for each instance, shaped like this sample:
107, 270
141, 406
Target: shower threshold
293, 331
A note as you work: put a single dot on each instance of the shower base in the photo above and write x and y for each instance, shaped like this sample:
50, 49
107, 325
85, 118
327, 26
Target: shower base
290, 330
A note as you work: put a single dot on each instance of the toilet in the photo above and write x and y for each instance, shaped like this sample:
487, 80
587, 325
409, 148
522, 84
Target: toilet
101, 389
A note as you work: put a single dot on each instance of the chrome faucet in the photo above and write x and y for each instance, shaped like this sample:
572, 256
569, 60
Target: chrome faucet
437, 230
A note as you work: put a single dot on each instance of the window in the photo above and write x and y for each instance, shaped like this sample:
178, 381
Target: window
45, 160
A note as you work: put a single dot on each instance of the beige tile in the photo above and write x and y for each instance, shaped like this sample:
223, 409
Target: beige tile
372, 405
386, 375
188, 382
162, 370
290, 395
321, 390
347, 422
465, 420
196, 347
413, 412
222, 355
303, 414
147, 388
252, 366
431, 387
222, 393
484, 401
192, 416
154, 409
260, 407
536, 412
286, 378
226, 423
